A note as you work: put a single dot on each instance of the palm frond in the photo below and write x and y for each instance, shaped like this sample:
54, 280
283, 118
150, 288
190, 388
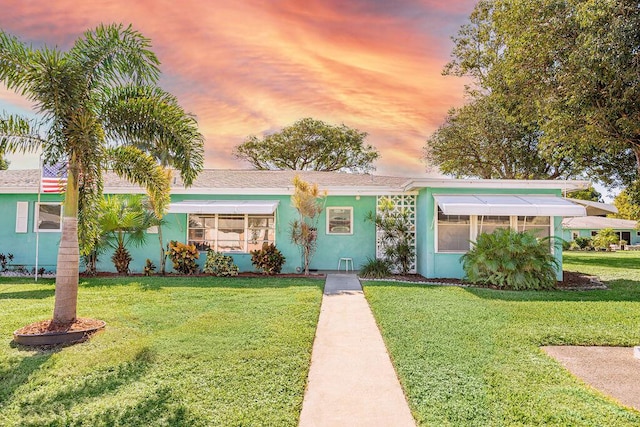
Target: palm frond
15, 62
19, 134
112, 54
152, 120
138, 167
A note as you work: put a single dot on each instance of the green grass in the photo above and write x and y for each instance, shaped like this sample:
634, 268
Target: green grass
471, 356
176, 351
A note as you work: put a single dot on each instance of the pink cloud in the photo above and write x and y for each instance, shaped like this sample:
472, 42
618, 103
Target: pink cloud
249, 67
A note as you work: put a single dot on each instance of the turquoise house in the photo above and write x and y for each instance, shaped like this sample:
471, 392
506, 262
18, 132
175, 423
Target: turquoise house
589, 226
235, 211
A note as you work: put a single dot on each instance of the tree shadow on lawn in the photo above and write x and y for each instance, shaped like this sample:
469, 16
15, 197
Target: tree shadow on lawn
29, 294
619, 290
606, 259
155, 283
16, 374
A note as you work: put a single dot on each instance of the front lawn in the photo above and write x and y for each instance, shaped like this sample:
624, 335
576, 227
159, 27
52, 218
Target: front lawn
176, 351
471, 357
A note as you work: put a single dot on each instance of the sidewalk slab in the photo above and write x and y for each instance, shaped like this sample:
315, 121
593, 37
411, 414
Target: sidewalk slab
351, 379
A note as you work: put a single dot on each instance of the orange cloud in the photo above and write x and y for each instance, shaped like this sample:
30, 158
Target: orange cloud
249, 67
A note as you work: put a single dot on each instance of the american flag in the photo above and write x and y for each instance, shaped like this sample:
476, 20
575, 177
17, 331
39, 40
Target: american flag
54, 178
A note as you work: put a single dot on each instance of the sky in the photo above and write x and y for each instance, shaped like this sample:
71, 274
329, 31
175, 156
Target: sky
252, 67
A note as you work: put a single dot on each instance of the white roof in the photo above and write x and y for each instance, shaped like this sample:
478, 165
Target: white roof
258, 207
534, 205
596, 208
598, 223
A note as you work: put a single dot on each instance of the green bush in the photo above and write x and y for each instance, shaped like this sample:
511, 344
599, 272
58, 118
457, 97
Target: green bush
269, 259
375, 269
583, 242
183, 257
510, 259
605, 238
219, 264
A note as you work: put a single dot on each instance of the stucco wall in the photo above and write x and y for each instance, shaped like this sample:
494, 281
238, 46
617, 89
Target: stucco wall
440, 265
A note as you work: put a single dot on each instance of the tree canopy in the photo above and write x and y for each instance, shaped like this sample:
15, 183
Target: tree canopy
310, 144
99, 109
570, 68
478, 140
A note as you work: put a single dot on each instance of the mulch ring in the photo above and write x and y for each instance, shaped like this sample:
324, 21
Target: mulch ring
571, 281
46, 327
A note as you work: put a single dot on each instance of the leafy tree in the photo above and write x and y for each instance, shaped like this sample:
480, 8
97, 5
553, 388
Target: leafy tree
627, 208
479, 140
590, 194
310, 144
123, 221
309, 202
100, 109
573, 67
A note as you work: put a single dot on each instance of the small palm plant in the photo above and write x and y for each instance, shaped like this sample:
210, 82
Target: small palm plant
509, 259
123, 221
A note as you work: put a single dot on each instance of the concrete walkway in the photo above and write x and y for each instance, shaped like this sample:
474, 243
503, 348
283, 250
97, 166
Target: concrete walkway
351, 380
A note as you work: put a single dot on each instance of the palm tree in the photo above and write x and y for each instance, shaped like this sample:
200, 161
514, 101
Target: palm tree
123, 220
100, 108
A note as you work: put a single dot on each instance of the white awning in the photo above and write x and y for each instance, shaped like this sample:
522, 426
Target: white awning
257, 207
596, 208
507, 205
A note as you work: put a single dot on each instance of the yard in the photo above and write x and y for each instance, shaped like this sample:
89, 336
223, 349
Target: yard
471, 357
176, 351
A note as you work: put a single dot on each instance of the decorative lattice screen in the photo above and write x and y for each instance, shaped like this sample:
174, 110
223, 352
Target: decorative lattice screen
407, 202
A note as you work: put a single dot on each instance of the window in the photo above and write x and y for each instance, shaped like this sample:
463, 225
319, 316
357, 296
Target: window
574, 235
48, 217
453, 232
540, 226
339, 220
488, 224
231, 233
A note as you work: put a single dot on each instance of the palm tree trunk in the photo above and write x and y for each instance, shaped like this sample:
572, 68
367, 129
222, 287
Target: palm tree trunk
68, 264
66, 296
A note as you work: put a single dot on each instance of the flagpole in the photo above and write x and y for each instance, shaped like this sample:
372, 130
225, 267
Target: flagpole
35, 218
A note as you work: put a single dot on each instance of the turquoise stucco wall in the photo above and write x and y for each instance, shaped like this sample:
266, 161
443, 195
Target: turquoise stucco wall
360, 245
440, 265
23, 245
567, 234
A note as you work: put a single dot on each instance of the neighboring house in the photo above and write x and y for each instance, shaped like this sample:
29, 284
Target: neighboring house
589, 226
235, 211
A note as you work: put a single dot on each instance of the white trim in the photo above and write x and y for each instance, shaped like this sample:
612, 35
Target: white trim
569, 185
350, 209
36, 218
253, 207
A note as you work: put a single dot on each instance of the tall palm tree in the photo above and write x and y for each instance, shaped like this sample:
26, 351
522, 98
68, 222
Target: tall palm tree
100, 108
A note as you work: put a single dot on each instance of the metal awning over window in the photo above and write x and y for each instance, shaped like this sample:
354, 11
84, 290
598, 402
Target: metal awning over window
508, 205
256, 207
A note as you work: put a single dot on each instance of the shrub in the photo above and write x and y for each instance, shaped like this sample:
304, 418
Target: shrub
269, 259
375, 269
510, 259
183, 257
583, 242
149, 268
5, 260
219, 264
605, 238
